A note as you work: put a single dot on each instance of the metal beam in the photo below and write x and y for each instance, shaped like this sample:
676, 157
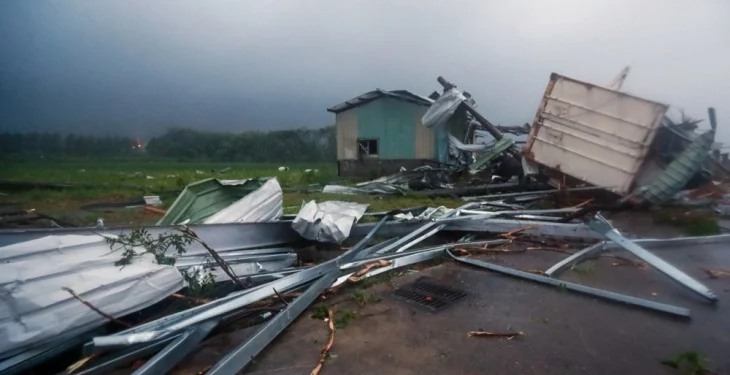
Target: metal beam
540, 228
634, 301
575, 258
222, 237
172, 324
366, 252
176, 350
602, 226
239, 357
125, 357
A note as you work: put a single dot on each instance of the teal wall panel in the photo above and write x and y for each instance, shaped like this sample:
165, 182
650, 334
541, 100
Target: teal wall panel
392, 122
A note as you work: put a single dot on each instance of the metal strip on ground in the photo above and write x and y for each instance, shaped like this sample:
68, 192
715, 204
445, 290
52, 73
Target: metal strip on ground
634, 301
173, 353
239, 357
601, 225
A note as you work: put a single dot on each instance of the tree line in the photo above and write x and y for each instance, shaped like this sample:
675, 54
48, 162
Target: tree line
307, 145
59, 145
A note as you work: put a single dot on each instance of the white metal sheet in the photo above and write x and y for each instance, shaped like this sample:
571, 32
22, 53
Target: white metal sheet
34, 306
592, 133
263, 204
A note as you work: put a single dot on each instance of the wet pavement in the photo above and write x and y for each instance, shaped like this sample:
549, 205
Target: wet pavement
565, 333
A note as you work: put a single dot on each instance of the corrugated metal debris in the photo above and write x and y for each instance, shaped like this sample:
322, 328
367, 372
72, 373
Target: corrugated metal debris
585, 140
226, 201
328, 221
35, 307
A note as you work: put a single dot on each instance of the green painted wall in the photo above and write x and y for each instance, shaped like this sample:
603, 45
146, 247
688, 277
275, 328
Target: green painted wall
392, 122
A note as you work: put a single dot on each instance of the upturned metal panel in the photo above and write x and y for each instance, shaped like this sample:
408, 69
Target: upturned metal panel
592, 133
347, 135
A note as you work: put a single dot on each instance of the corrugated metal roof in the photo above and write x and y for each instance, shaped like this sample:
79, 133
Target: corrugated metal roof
679, 171
378, 93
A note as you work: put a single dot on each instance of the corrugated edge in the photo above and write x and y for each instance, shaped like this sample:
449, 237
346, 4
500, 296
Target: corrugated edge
378, 93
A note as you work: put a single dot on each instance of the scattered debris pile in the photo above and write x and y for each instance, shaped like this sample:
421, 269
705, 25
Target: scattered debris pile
224, 254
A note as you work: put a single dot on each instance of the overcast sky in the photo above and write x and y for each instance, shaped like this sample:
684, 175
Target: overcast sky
138, 67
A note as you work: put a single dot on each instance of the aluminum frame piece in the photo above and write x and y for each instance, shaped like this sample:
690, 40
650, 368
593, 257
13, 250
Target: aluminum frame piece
28, 359
222, 237
647, 243
239, 357
541, 228
174, 352
372, 249
601, 225
575, 258
357, 263
355, 251
612, 296
229, 304
484, 223
172, 324
399, 260
652, 243
125, 357
529, 193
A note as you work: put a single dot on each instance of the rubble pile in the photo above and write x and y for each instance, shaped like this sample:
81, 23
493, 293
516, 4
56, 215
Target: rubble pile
225, 253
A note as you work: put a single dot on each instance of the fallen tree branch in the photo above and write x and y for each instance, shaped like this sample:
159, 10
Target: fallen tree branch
96, 310
80, 363
511, 235
325, 351
200, 301
281, 298
584, 203
495, 334
222, 263
486, 250
366, 268
716, 273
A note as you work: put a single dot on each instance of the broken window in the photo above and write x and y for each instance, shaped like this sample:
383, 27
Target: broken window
367, 147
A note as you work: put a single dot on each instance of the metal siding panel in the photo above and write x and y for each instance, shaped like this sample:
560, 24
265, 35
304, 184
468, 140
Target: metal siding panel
425, 138
592, 133
391, 122
441, 143
347, 135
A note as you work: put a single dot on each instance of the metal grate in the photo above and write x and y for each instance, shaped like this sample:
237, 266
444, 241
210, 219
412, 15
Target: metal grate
428, 295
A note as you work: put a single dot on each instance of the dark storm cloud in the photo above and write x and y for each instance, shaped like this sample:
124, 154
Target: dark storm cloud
136, 67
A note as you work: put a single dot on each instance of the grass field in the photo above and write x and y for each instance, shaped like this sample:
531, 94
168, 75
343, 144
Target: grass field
167, 180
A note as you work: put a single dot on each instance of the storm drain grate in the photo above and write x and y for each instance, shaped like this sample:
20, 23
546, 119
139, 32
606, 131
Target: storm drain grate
428, 295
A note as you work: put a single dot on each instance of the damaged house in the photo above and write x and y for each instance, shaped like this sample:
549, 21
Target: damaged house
381, 131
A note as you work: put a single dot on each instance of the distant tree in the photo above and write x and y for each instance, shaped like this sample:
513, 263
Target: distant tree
251, 146
281, 146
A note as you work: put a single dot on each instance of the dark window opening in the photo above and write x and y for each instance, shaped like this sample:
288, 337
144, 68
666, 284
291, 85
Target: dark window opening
367, 147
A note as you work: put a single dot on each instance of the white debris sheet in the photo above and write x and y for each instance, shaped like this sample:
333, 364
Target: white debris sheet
430, 213
329, 221
34, 306
442, 109
263, 204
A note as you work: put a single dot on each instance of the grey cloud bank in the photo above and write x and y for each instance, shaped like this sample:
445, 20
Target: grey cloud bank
138, 67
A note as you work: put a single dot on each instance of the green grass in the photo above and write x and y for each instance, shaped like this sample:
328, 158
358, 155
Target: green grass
169, 178
586, 268
692, 222
690, 363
